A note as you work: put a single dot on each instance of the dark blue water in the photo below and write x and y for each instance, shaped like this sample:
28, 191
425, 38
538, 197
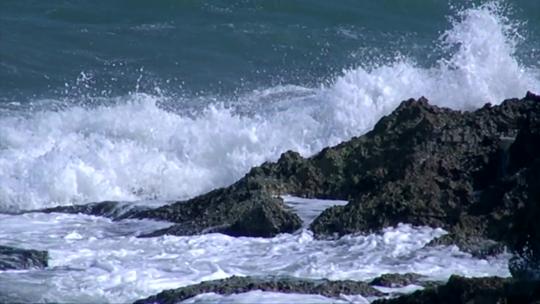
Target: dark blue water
215, 47
132, 99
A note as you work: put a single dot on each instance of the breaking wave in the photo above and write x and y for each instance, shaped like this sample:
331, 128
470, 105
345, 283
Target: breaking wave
133, 147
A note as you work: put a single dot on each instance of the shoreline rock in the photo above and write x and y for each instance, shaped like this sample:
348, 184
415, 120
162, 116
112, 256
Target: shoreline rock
475, 174
422, 165
235, 284
110, 209
471, 173
12, 258
396, 280
475, 245
473, 290
230, 211
440, 160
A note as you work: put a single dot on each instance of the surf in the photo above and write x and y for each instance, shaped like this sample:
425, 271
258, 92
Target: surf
150, 146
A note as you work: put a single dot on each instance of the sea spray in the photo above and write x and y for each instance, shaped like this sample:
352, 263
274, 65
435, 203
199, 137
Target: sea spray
131, 148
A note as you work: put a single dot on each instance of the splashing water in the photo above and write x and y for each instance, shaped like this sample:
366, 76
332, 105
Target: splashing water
93, 259
132, 148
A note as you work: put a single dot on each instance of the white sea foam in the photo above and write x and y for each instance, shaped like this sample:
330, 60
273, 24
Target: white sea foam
95, 260
272, 298
131, 148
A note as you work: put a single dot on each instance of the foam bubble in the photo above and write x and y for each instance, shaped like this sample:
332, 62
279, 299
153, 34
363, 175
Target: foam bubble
131, 148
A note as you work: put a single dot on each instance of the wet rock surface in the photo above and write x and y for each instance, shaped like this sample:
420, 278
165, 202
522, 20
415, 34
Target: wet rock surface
395, 280
477, 246
235, 284
231, 211
518, 204
474, 174
422, 165
16, 258
474, 291
110, 209
435, 167
228, 211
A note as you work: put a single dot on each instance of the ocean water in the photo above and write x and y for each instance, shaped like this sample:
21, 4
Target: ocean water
138, 100
96, 260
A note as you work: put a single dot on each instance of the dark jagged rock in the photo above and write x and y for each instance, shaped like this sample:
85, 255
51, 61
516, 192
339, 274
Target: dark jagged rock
110, 209
252, 214
516, 201
466, 172
532, 96
235, 284
16, 258
473, 291
231, 211
517, 222
477, 246
395, 280
428, 166
422, 165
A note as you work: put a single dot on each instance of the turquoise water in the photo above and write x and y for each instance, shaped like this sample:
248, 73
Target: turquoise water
217, 47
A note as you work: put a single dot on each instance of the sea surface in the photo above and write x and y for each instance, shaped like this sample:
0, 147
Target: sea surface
150, 101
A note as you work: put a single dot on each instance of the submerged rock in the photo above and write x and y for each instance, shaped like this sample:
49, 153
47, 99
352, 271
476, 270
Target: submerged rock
16, 258
473, 291
236, 284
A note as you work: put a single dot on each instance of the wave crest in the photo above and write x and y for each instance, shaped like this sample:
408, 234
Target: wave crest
135, 149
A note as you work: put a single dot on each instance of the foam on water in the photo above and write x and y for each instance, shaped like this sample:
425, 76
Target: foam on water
131, 147
93, 259
262, 297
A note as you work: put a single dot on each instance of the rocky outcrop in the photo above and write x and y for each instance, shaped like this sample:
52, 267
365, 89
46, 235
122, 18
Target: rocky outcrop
394, 280
517, 211
473, 291
471, 173
16, 258
430, 166
475, 174
110, 209
422, 165
477, 245
233, 211
235, 284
